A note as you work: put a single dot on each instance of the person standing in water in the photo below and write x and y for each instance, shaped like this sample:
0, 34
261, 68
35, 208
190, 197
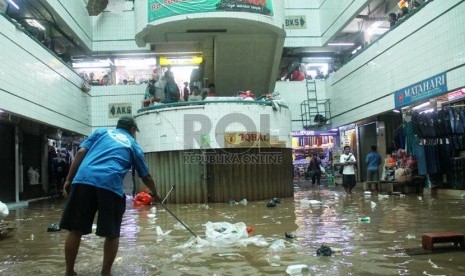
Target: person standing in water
97, 174
348, 160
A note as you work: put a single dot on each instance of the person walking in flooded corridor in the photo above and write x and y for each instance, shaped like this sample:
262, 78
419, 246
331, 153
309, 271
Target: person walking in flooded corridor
97, 174
348, 160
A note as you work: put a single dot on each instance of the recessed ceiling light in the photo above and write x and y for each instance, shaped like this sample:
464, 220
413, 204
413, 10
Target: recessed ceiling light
13, 3
341, 44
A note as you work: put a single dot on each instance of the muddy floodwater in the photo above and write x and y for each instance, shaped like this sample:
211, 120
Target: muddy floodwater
389, 244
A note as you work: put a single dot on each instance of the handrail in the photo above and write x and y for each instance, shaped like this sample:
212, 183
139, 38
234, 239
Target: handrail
21, 27
405, 18
205, 102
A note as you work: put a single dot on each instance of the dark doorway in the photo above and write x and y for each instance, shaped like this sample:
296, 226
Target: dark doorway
7, 163
31, 152
367, 138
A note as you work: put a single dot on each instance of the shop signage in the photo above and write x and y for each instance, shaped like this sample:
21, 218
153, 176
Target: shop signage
246, 140
158, 9
315, 133
165, 61
116, 110
295, 22
425, 89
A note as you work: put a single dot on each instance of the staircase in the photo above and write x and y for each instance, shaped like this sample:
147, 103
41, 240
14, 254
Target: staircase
315, 114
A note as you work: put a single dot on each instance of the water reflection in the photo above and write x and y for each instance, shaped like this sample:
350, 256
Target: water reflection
388, 245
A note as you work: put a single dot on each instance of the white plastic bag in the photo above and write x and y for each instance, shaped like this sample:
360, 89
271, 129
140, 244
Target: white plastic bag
322, 169
224, 233
3, 210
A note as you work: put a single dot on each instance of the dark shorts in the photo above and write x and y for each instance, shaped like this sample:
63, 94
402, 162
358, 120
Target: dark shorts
348, 180
82, 204
372, 175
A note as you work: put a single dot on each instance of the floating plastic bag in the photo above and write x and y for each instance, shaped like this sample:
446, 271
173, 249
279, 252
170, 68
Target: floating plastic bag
161, 233
296, 269
142, 199
224, 233
3, 210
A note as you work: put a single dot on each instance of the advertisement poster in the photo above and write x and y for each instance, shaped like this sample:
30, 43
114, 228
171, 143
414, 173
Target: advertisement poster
158, 9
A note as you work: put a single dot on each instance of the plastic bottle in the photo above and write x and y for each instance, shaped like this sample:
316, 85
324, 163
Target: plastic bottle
364, 219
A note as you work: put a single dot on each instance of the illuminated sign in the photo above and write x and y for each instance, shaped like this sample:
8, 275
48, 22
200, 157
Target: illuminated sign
165, 61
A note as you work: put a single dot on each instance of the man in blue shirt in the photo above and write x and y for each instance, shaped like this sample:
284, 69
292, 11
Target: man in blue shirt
97, 174
373, 161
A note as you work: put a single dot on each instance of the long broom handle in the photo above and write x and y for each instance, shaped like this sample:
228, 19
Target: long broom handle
180, 221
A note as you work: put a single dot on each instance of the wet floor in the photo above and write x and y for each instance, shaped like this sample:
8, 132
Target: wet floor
390, 244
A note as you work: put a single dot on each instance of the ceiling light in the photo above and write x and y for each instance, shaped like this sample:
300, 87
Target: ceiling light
427, 111
318, 58
341, 44
13, 3
421, 106
396, 111
35, 23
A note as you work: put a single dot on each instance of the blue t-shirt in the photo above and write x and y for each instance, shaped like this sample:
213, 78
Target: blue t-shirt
111, 153
373, 161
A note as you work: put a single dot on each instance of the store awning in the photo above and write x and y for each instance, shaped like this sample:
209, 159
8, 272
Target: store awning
96, 7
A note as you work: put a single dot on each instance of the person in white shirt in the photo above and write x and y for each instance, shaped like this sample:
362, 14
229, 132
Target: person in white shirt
348, 160
195, 96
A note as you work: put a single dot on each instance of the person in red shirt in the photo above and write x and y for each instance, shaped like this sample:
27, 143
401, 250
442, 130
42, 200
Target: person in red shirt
211, 90
297, 75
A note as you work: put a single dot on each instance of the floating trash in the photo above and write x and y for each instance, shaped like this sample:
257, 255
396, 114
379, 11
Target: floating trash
290, 235
296, 269
271, 203
364, 219
324, 250
54, 227
277, 200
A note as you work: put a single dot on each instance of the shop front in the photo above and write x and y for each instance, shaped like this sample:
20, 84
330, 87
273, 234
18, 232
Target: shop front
434, 131
306, 143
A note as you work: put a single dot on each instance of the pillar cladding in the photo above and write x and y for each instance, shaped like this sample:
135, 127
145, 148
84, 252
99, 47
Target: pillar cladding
214, 176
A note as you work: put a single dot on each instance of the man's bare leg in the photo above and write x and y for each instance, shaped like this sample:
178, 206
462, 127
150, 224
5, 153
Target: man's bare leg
71, 249
110, 249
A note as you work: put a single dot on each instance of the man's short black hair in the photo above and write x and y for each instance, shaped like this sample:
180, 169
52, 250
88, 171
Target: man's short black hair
373, 148
346, 147
127, 122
